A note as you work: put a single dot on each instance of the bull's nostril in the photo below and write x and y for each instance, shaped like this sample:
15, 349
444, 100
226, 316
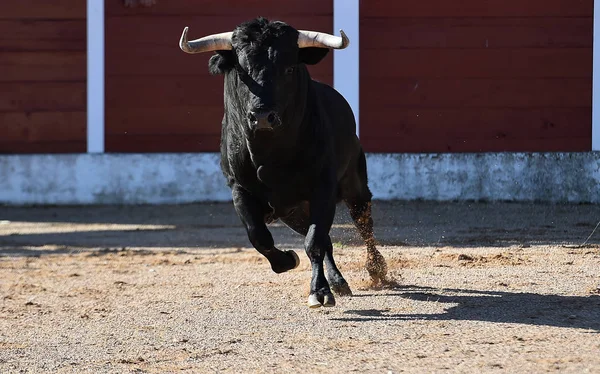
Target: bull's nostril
271, 118
252, 118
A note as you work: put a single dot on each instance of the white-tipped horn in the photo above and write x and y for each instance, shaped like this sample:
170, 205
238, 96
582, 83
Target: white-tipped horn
215, 42
322, 40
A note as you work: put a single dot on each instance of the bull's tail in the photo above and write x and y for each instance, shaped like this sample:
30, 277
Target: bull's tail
362, 174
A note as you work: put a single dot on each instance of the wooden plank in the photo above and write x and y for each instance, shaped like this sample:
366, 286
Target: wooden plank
42, 35
165, 31
163, 61
487, 123
160, 143
42, 66
43, 9
164, 120
43, 147
166, 92
42, 96
477, 8
442, 145
478, 63
476, 130
244, 8
140, 61
469, 93
533, 32
153, 49
43, 127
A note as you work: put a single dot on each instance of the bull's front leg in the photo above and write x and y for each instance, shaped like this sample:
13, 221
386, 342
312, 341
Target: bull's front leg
252, 214
318, 242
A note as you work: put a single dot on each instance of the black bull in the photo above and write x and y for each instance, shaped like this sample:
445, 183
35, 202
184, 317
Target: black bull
288, 147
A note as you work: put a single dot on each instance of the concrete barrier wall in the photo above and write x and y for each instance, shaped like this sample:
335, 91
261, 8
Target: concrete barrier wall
547, 177
194, 177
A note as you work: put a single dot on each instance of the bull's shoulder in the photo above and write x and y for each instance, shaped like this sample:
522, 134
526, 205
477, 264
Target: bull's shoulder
331, 99
237, 166
334, 111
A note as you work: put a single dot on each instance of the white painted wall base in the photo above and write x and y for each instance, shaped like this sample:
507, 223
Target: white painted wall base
111, 179
544, 177
196, 177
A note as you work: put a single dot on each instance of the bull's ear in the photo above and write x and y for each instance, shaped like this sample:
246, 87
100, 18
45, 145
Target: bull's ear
312, 55
221, 62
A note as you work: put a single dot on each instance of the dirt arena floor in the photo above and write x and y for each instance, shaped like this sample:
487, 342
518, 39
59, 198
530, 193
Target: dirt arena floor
492, 287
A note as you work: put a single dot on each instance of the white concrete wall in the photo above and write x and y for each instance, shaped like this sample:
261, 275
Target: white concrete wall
184, 178
111, 179
547, 177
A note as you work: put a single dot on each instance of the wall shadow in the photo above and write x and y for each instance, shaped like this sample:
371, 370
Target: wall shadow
215, 225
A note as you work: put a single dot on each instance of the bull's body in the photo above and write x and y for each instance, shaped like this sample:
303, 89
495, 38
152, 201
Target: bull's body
297, 165
293, 165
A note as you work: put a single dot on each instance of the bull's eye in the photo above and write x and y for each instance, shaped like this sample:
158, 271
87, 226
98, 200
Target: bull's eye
289, 70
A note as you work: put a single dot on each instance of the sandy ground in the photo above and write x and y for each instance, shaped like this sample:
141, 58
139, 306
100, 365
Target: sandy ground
482, 288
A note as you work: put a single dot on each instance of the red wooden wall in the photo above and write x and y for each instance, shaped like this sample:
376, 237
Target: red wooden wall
160, 99
42, 76
436, 76
476, 75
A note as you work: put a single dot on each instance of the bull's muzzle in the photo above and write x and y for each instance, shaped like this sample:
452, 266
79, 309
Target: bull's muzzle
264, 120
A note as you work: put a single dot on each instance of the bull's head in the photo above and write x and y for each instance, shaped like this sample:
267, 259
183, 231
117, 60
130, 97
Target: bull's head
268, 59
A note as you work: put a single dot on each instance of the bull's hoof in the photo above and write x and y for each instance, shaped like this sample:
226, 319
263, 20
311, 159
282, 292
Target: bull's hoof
341, 288
289, 260
328, 301
317, 300
296, 258
376, 266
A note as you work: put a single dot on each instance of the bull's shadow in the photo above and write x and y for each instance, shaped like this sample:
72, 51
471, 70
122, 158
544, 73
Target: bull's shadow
578, 312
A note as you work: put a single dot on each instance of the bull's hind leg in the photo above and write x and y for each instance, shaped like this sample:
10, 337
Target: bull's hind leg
360, 211
252, 215
299, 221
358, 199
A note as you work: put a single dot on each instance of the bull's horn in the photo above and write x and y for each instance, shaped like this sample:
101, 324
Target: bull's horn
322, 40
215, 42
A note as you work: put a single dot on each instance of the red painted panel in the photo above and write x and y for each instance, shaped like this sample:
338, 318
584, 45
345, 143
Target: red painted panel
233, 8
42, 9
43, 127
166, 143
476, 8
42, 96
43, 66
190, 119
155, 50
479, 63
419, 125
196, 91
42, 76
476, 76
43, 35
387, 144
551, 32
160, 99
468, 93
43, 147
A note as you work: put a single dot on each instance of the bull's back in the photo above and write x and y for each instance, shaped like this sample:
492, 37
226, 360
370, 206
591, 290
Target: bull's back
337, 108
343, 125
